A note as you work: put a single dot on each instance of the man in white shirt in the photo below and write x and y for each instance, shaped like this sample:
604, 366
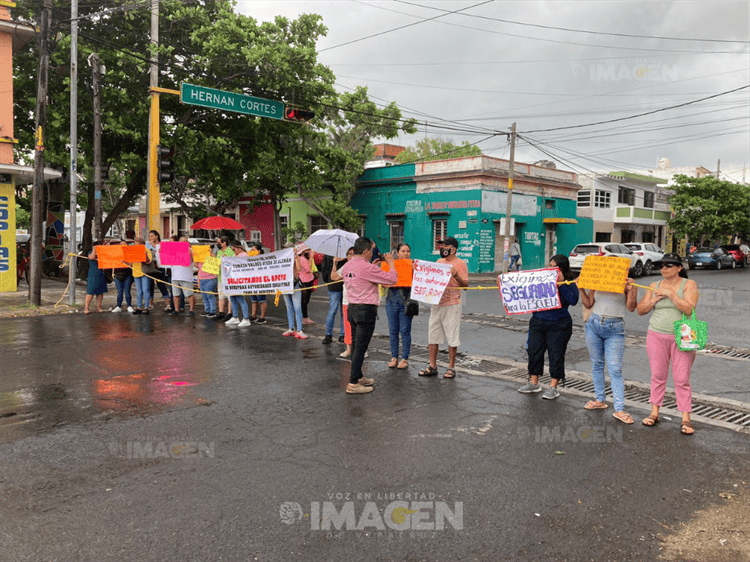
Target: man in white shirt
182, 281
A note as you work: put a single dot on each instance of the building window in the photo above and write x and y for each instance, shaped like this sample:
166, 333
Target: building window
255, 236
397, 233
549, 204
317, 223
603, 237
626, 196
361, 227
602, 199
648, 199
584, 198
283, 222
439, 232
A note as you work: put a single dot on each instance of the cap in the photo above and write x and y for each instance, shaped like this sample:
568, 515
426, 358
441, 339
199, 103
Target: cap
669, 258
450, 241
301, 248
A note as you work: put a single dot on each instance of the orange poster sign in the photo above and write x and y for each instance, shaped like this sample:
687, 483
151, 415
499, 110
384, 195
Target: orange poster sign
404, 271
110, 256
134, 254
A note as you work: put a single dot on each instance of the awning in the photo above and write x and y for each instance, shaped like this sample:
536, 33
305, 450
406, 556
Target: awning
554, 220
25, 174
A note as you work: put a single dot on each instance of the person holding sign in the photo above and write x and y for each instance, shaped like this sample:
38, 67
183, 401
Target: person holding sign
550, 331
605, 338
222, 250
669, 299
445, 317
238, 302
398, 322
142, 283
182, 283
96, 284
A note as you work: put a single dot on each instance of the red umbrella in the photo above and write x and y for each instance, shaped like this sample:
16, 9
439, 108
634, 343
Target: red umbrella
217, 223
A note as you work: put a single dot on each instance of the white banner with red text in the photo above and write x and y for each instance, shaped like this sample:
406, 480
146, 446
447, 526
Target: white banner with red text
258, 275
430, 280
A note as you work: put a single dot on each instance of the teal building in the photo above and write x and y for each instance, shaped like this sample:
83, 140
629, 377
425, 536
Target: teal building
466, 198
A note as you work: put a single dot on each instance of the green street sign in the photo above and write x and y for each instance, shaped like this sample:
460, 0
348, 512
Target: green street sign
229, 101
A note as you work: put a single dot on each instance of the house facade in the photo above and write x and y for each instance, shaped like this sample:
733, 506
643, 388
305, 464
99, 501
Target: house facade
466, 198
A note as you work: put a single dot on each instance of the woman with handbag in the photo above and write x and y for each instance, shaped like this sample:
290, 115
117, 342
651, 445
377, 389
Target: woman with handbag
398, 322
307, 271
143, 283
154, 244
96, 284
293, 303
669, 299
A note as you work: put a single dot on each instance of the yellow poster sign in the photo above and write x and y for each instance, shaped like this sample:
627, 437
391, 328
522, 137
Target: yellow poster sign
200, 253
604, 273
8, 274
212, 265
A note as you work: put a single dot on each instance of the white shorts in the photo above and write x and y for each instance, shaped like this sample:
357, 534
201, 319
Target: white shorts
445, 322
180, 287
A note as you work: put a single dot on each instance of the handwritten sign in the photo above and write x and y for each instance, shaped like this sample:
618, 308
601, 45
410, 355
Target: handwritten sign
604, 273
430, 280
174, 253
212, 265
258, 275
134, 254
200, 253
403, 270
110, 256
529, 291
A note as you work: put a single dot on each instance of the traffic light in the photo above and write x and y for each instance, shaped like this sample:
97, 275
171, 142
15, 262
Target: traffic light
297, 114
164, 164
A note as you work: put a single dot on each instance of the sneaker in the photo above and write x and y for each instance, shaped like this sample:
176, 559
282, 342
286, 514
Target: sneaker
117, 309
358, 389
367, 382
301, 335
328, 339
529, 388
308, 321
261, 321
205, 314
190, 313
252, 319
220, 316
341, 339
345, 355
130, 309
246, 322
174, 313
145, 311
551, 393
137, 311
211, 315
232, 322
289, 333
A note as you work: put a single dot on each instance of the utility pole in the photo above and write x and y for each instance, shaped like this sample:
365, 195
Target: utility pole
718, 168
94, 62
153, 197
37, 192
509, 202
73, 236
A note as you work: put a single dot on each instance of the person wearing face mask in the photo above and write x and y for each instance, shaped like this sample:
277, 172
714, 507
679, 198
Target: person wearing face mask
445, 317
222, 249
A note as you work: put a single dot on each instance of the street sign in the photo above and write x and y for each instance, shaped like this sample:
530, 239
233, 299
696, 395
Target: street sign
229, 101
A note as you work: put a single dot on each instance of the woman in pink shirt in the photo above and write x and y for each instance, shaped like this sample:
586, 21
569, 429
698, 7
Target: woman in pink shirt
306, 277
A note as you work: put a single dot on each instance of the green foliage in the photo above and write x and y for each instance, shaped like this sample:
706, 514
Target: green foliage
23, 217
436, 148
709, 207
296, 232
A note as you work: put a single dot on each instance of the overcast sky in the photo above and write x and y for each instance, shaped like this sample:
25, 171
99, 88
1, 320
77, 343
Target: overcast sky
470, 76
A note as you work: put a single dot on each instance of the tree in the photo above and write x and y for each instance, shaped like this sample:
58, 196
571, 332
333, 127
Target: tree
709, 208
436, 148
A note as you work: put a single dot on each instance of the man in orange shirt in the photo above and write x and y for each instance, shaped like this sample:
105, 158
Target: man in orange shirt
445, 317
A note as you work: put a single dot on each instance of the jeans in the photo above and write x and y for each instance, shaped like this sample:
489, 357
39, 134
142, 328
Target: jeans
238, 301
294, 309
209, 299
142, 291
513, 261
362, 317
551, 336
605, 338
123, 288
335, 304
398, 322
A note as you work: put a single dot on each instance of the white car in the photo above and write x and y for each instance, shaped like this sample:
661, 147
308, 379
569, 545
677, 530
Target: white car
650, 253
579, 253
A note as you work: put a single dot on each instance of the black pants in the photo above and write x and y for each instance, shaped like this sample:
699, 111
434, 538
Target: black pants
551, 336
306, 294
161, 276
362, 318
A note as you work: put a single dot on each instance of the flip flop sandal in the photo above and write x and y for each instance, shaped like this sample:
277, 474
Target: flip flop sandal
653, 421
684, 426
624, 417
596, 405
428, 372
393, 364
450, 374
403, 365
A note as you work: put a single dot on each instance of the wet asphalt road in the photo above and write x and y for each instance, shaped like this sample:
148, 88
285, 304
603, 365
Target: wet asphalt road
161, 438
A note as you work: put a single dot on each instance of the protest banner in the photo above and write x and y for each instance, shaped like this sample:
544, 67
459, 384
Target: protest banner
134, 254
258, 275
529, 291
200, 253
174, 253
604, 273
212, 265
403, 270
429, 281
110, 256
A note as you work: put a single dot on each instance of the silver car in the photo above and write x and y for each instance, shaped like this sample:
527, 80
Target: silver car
579, 253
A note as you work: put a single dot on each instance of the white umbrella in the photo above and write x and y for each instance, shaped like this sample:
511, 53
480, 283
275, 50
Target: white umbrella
333, 242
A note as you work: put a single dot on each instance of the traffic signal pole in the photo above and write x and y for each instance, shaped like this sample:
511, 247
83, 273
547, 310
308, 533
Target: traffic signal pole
153, 207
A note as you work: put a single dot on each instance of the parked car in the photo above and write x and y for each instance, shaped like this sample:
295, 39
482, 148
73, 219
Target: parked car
579, 253
708, 258
650, 253
737, 253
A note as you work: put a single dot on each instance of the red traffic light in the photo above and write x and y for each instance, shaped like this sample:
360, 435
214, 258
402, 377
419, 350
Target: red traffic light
297, 114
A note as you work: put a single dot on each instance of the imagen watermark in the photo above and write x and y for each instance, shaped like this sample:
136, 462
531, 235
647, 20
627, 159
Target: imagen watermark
572, 433
645, 70
163, 449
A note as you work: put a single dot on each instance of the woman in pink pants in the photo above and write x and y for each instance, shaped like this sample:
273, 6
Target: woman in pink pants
669, 299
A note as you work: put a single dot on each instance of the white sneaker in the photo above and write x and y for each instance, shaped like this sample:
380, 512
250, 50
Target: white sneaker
244, 323
117, 309
232, 321
130, 309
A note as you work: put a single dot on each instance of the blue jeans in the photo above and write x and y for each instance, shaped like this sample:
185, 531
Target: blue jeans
398, 323
123, 288
142, 291
294, 309
209, 300
513, 262
335, 304
238, 301
605, 338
